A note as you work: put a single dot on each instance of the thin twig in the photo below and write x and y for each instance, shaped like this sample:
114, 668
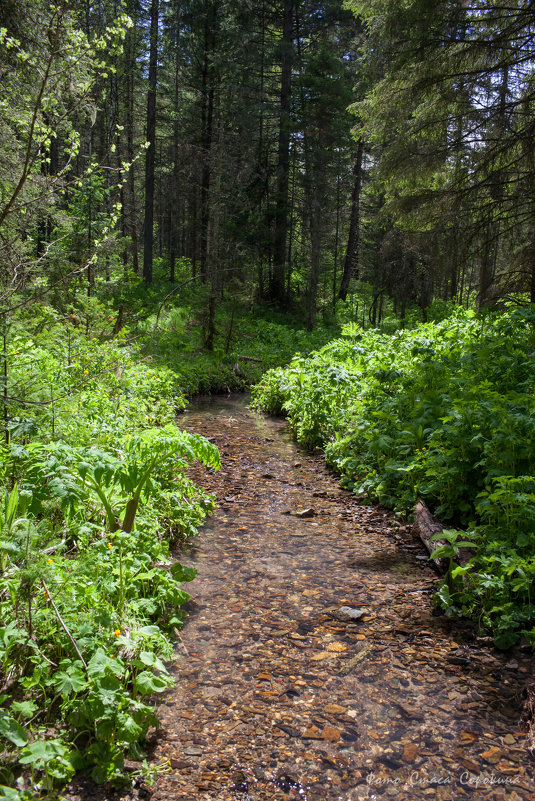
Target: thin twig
69, 635
181, 643
41, 653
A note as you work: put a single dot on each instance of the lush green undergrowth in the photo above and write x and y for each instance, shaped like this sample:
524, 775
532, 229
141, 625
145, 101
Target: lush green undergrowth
95, 484
247, 343
446, 413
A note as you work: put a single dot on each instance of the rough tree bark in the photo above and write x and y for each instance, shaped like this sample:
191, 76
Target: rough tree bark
151, 139
277, 289
427, 526
351, 262
207, 119
174, 206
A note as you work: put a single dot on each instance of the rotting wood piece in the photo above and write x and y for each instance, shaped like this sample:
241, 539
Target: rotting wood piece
426, 526
248, 359
528, 717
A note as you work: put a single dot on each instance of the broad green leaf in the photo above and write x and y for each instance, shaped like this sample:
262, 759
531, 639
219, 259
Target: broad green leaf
25, 708
129, 730
9, 547
148, 630
442, 551
71, 681
151, 660
98, 663
12, 504
444, 596
41, 751
12, 730
460, 571
147, 683
10, 794
183, 572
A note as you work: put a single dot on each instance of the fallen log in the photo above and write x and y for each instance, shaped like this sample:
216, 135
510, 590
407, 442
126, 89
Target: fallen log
427, 526
249, 359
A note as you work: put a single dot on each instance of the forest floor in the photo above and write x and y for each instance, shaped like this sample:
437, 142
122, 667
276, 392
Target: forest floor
278, 695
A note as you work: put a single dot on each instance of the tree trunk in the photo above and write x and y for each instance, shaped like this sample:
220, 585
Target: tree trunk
207, 117
454, 264
426, 527
277, 290
48, 167
193, 229
210, 321
151, 150
351, 262
130, 213
314, 184
486, 267
205, 186
336, 240
174, 206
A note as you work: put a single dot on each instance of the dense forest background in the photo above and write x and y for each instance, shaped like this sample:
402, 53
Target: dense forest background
294, 151
196, 195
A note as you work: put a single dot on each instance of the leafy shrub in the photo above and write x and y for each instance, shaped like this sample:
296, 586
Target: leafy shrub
95, 490
444, 412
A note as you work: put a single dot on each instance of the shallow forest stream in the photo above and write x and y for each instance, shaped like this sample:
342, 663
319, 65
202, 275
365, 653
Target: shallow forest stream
278, 693
276, 696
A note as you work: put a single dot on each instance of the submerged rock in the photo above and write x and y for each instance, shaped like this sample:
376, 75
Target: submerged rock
347, 614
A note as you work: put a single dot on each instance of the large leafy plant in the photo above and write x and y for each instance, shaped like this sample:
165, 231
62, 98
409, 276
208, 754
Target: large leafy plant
443, 412
89, 595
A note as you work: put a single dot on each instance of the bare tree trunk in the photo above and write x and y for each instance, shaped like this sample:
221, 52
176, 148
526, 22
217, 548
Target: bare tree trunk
207, 118
175, 191
487, 272
351, 262
277, 290
486, 266
291, 224
49, 166
314, 184
193, 230
205, 186
336, 240
130, 213
151, 150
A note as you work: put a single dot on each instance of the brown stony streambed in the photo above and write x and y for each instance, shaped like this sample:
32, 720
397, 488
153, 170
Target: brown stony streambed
280, 696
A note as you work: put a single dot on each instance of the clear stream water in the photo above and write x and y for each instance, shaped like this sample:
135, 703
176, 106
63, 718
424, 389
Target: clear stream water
276, 696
